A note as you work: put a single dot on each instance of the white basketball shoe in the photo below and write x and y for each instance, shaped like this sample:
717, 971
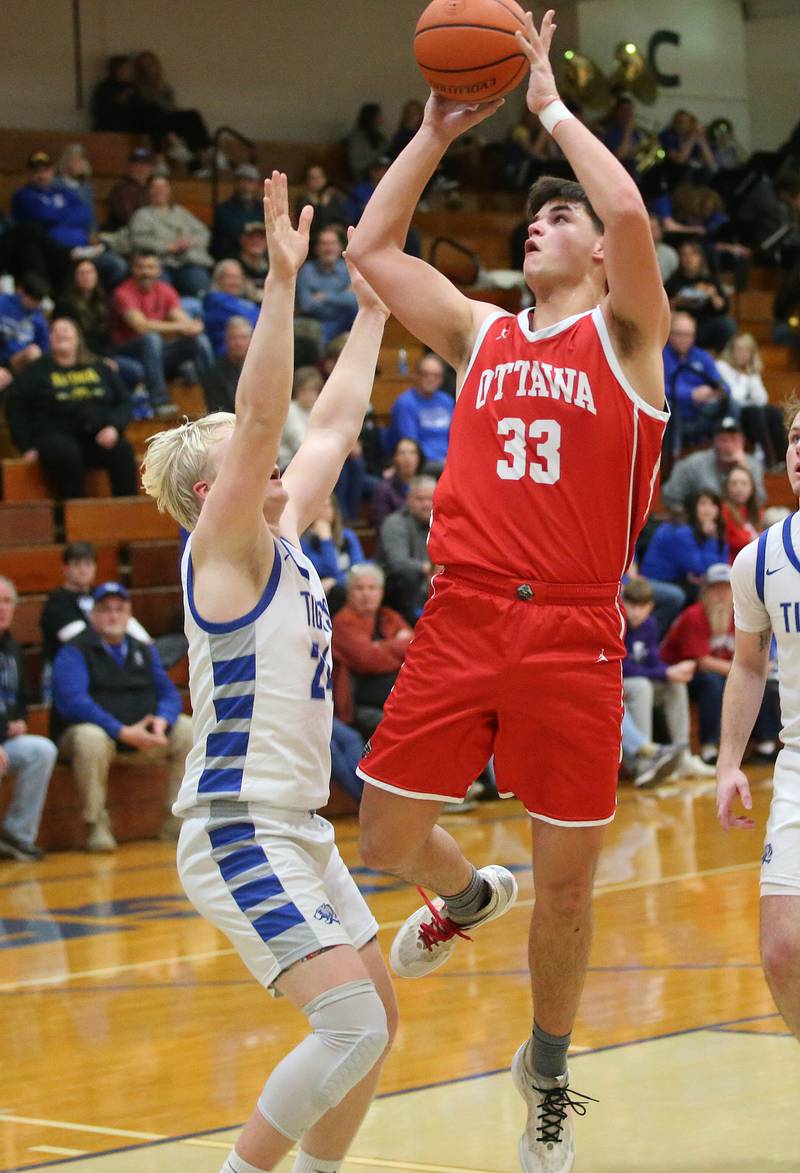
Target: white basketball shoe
547, 1145
428, 937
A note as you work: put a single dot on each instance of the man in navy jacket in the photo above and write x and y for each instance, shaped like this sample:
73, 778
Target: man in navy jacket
113, 701
698, 395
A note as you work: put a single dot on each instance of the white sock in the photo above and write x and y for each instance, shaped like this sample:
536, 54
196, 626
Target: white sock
303, 1163
237, 1164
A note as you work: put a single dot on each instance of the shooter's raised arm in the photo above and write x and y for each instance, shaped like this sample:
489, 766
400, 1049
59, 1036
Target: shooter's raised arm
636, 300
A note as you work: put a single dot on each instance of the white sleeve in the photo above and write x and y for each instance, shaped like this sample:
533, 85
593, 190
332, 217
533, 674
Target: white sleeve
749, 612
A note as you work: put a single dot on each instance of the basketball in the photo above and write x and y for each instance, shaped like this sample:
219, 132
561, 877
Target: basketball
466, 49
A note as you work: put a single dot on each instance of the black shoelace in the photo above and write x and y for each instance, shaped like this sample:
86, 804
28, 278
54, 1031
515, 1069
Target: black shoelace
553, 1111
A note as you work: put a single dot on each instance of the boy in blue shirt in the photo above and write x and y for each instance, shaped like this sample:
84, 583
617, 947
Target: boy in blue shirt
23, 331
424, 413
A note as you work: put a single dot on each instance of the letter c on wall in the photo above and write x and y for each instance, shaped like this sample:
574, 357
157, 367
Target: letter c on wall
663, 37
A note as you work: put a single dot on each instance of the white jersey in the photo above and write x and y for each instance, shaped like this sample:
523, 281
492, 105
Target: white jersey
766, 593
261, 694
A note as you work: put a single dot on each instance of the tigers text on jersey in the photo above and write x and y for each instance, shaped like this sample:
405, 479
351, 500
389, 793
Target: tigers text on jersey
553, 457
261, 694
766, 593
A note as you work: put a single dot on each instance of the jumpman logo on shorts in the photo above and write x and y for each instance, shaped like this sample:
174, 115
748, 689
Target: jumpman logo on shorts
602, 658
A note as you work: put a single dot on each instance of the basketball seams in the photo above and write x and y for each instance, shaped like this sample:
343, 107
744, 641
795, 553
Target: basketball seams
484, 28
474, 68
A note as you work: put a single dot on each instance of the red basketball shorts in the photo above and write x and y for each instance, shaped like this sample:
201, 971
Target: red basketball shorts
536, 681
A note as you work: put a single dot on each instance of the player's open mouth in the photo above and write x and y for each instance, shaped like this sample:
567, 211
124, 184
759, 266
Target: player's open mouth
531, 247
275, 475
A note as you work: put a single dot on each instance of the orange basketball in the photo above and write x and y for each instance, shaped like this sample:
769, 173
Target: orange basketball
466, 49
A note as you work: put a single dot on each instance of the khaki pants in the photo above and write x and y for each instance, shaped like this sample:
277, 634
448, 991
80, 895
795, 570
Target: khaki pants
91, 752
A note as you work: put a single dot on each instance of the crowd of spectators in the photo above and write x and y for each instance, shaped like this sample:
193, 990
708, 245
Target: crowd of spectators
103, 304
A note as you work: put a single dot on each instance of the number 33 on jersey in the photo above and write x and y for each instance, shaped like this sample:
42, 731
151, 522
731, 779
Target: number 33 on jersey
554, 459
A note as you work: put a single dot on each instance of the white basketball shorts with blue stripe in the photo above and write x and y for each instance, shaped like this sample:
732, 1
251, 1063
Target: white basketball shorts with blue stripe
273, 882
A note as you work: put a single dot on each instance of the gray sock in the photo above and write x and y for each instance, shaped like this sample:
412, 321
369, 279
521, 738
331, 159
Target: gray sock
467, 905
549, 1052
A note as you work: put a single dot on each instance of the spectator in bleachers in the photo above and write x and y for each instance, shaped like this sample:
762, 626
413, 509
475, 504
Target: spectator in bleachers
240, 209
680, 554
705, 633
668, 259
220, 381
424, 413
111, 698
762, 422
330, 206
24, 336
692, 288
86, 302
307, 385
253, 258
698, 395
391, 490
114, 99
741, 512
68, 607
226, 299
150, 325
649, 682
362, 193
403, 550
622, 135
689, 155
369, 645
59, 226
769, 213
131, 191
333, 549
177, 238
75, 171
709, 468
29, 757
366, 142
171, 128
324, 292
408, 124
70, 411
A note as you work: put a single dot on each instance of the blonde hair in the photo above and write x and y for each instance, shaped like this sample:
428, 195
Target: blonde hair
791, 408
176, 459
755, 366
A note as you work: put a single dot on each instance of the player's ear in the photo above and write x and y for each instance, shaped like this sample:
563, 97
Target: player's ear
201, 489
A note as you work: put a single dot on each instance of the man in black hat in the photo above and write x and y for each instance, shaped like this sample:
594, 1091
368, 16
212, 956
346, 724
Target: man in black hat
112, 699
59, 224
231, 216
709, 468
130, 192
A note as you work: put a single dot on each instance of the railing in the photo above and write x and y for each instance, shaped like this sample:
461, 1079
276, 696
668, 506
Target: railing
220, 133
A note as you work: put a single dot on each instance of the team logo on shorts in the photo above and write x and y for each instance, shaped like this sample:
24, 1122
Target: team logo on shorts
767, 856
325, 912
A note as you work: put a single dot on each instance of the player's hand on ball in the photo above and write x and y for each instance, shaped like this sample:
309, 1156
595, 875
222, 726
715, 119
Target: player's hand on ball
451, 119
366, 296
733, 784
536, 47
287, 246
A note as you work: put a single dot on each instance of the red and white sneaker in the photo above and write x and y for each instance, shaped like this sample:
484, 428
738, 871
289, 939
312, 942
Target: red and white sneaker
428, 937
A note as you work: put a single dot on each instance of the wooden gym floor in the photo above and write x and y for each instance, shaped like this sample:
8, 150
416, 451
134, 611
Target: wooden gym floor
134, 1041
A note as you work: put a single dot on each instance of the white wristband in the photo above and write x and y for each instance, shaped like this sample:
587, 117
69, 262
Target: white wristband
552, 114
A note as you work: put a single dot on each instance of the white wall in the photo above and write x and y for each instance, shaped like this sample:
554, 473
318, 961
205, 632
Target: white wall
772, 75
277, 69
711, 58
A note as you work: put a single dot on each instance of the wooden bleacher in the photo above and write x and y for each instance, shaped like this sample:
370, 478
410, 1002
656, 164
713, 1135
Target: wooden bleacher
121, 519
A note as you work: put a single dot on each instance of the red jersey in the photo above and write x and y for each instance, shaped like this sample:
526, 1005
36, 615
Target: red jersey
553, 456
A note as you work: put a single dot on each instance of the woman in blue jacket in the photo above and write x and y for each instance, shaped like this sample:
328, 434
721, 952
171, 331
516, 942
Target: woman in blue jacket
679, 555
333, 548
